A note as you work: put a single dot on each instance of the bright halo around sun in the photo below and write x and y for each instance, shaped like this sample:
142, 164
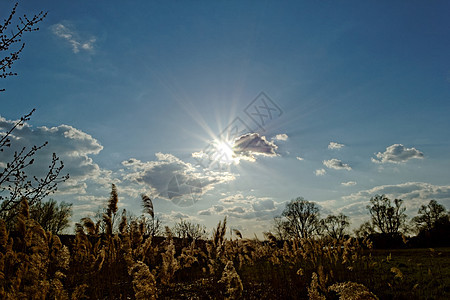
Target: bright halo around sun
224, 153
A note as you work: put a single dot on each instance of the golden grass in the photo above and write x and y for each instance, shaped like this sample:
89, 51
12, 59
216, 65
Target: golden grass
34, 264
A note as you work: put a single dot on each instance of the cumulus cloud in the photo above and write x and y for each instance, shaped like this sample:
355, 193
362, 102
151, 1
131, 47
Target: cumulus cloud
239, 210
250, 145
212, 210
408, 190
349, 183
281, 137
218, 208
336, 164
320, 172
263, 205
246, 207
72, 37
245, 147
334, 145
74, 147
77, 150
206, 212
171, 178
234, 199
414, 195
397, 153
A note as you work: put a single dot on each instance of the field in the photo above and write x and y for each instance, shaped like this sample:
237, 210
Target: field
128, 265
425, 273
417, 274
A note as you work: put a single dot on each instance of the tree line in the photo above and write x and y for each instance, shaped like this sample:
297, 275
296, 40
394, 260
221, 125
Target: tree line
388, 222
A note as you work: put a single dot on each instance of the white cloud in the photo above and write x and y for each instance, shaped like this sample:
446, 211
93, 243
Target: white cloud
246, 207
414, 195
245, 147
320, 172
299, 158
334, 145
281, 137
349, 183
74, 148
397, 153
206, 212
212, 210
72, 37
218, 208
336, 164
250, 145
234, 199
263, 205
171, 178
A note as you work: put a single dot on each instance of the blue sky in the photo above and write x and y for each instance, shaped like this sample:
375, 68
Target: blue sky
129, 92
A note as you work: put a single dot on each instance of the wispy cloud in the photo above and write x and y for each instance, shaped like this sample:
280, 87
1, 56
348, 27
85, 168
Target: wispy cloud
397, 153
336, 164
334, 145
72, 37
299, 158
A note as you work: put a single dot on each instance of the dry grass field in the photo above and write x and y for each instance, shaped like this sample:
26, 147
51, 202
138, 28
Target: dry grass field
35, 264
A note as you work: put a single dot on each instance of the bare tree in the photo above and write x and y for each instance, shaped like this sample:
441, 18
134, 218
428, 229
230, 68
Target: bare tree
15, 184
302, 217
335, 226
280, 228
11, 36
51, 216
364, 230
14, 181
189, 230
429, 215
386, 216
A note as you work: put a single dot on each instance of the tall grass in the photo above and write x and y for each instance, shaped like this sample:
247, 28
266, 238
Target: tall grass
126, 264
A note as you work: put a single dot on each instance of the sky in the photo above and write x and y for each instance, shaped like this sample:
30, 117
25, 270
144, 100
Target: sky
232, 108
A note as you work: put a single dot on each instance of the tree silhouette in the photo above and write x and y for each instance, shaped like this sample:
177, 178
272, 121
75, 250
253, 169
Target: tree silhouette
364, 230
188, 230
386, 217
302, 217
280, 228
334, 226
429, 215
51, 216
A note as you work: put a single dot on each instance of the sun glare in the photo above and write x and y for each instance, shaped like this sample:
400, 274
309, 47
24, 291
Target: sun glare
224, 152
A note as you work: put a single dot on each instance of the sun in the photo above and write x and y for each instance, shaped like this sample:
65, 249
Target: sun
224, 153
